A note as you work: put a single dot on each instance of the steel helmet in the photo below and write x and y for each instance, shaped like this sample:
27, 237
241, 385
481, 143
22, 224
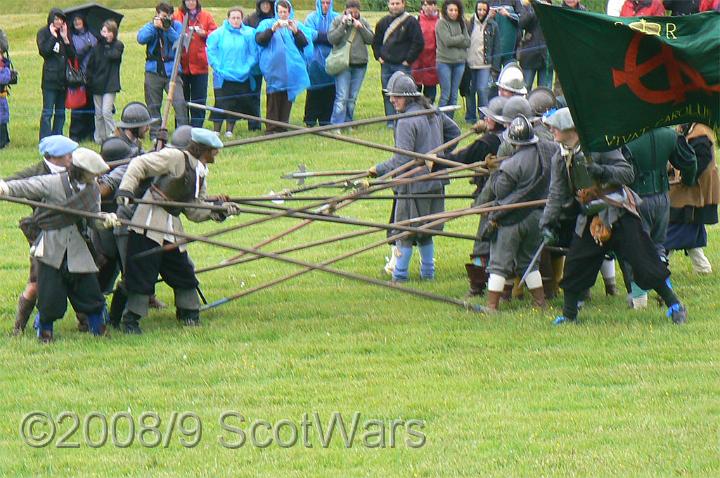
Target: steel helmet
115, 149
541, 100
494, 109
520, 132
135, 115
511, 78
181, 137
514, 106
401, 84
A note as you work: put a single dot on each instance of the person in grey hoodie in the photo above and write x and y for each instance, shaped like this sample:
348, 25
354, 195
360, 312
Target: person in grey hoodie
453, 40
350, 27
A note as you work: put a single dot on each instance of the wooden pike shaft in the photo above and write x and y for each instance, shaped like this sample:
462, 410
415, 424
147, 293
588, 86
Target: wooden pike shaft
323, 131
247, 250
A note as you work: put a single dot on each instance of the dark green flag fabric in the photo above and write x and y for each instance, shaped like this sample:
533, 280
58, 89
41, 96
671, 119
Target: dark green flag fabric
624, 76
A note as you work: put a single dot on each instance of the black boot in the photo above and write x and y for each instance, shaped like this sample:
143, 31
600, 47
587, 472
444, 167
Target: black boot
188, 317
131, 323
22, 315
117, 305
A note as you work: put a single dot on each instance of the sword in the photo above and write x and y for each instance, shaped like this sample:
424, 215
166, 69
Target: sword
534, 260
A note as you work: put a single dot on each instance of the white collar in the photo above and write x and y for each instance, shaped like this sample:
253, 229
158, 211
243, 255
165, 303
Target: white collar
54, 168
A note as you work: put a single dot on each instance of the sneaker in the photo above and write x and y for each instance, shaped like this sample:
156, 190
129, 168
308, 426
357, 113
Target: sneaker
561, 320
678, 314
639, 302
228, 134
391, 261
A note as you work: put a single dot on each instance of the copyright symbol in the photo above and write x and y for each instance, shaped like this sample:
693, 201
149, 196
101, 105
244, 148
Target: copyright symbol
37, 429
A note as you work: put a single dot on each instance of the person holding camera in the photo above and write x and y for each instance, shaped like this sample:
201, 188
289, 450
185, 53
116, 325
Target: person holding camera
353, 28
5, 75
194, 60
104, 79
56, 48
282, 40
159, 37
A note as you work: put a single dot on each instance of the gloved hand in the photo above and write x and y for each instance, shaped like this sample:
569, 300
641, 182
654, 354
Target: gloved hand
231, 208
488, 230
596, 171
162, 135
372, 172
4, 188
123, 197
110, 220
549, 236
480, 126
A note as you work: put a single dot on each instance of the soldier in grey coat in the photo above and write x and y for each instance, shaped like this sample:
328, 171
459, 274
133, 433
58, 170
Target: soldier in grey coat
607, 220
66, 267
525, 176
420, 134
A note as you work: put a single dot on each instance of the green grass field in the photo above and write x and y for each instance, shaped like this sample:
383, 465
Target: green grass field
624, 393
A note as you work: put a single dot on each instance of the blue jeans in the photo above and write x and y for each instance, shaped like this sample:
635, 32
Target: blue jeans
449, 75
480, 88
347, 87
53, 104
386, 71
544, 77
195, 89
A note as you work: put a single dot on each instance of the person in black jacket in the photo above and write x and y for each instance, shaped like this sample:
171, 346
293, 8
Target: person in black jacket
55, 47
682, 7
104, 79
263, 9
398, 43
532, 51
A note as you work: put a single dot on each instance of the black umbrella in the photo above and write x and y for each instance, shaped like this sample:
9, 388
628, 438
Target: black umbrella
95, 15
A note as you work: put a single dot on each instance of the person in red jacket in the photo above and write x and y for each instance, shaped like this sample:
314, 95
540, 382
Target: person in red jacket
424, 71
194, 61
709, 5
642, 8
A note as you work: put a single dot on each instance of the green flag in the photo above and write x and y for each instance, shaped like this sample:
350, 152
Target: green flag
625, 76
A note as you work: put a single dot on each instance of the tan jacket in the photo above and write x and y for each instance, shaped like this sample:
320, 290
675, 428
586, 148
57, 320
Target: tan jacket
707, 190
166, 161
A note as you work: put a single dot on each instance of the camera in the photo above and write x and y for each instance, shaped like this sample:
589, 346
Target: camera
348, 20
166, 22
283, 23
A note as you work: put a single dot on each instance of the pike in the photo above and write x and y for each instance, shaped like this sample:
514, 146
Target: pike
159, 143
534, 261
324, 131
288, 260
480, 209
287, 212
302, 173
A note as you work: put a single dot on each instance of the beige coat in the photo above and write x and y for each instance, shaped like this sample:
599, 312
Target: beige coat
707, 190
166, 161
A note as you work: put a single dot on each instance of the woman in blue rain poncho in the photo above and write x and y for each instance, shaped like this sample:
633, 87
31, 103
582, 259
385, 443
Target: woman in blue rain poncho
233, 55
284, 44
321, 93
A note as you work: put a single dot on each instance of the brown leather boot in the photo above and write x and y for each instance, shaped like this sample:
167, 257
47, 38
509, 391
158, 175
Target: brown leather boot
493, 300
506, 294
538, 297
22, 314
477, 275
546, 272
82, 322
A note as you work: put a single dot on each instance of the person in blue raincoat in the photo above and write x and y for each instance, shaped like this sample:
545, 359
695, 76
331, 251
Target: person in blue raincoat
284, 43
321, 94
233, 55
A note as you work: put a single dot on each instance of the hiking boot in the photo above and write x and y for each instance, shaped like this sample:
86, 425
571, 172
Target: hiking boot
22, 314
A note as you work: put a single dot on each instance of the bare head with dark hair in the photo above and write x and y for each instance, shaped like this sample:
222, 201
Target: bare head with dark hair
453, 10
352, 4
109, 30
164, 7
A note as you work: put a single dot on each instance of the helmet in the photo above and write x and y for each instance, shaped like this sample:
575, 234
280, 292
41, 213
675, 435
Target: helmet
135, 115
541, 100
401, 84
520, 132
181, 137
511, 78
114, 149
494, 109
514, 106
